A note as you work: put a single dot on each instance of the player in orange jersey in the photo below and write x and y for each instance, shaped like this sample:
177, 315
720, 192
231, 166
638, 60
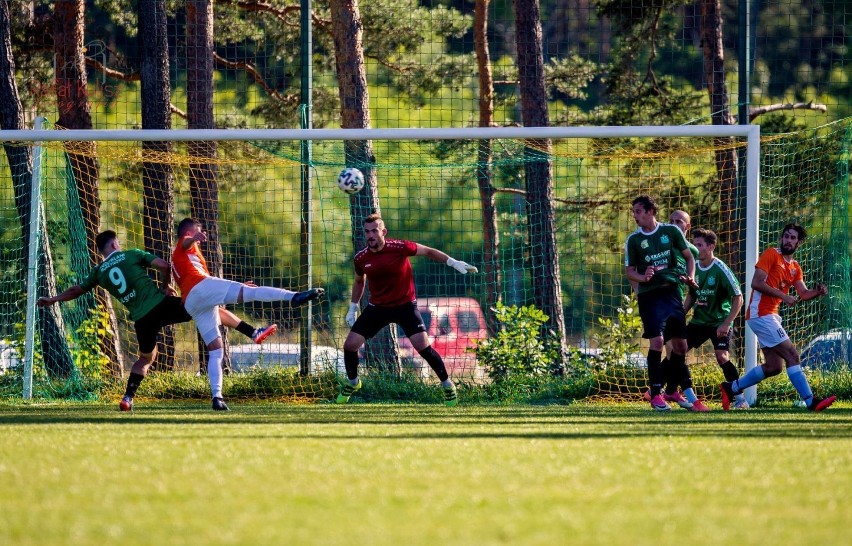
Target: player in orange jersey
202, 294
775, 272
124, 274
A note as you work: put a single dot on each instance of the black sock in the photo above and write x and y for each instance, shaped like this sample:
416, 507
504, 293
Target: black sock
132, 384
350, 360
435, 361
681, 371
655, 371
730, 371
669, 380
245, 328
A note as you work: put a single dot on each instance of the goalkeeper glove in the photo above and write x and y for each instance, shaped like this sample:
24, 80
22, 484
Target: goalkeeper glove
352, 314
462, 267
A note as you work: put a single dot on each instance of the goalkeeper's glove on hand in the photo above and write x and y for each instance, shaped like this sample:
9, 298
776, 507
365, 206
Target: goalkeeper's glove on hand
352, 315
462, 267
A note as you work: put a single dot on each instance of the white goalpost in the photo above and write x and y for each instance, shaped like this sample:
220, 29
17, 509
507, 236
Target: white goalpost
750, 133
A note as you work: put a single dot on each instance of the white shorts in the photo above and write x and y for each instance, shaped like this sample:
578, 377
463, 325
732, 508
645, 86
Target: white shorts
768, 330
203, 303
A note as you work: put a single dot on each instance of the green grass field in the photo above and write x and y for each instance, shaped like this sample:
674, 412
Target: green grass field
422, 474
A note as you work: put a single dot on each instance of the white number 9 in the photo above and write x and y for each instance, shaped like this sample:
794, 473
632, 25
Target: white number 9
117, 278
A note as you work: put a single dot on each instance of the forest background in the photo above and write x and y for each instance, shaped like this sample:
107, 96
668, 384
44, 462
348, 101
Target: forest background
117, 64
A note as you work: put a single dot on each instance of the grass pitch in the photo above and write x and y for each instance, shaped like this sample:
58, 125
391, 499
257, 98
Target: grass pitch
422, 474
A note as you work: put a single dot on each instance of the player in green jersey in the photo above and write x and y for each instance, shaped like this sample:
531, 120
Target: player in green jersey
124, 274
651, 263
715, 303
679, 375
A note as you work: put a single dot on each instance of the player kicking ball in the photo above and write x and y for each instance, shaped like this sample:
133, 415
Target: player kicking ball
203, 293
384, 264
124, 274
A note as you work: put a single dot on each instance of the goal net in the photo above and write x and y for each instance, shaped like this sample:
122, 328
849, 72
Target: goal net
544, 220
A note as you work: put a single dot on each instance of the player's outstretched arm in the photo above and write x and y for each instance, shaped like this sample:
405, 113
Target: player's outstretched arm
71, 294
436, 255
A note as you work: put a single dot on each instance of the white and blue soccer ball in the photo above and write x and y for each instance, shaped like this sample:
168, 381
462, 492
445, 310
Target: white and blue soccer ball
350, 180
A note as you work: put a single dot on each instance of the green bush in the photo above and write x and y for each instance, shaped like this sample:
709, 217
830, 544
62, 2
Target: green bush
619, 337
88, 358
518, 349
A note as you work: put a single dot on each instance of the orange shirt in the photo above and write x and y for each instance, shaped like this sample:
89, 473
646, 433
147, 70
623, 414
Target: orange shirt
780, 274
188, 267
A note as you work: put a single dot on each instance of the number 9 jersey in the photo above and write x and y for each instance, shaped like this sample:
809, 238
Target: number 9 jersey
124, 274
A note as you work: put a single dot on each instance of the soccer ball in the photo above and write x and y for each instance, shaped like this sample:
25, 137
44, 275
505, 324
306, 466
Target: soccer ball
350, 180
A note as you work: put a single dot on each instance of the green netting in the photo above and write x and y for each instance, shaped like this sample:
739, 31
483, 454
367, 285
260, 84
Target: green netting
427, 192
606, 62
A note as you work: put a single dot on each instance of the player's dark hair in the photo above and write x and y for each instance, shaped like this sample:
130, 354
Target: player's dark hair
375, 217
706, 234
185, 224
647, 202
104, 238
797, 228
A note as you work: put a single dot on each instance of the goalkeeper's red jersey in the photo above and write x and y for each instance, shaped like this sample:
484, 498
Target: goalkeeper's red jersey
389, 275
188, 267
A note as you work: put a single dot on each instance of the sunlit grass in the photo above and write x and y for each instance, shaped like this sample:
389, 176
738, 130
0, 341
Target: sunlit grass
270, 473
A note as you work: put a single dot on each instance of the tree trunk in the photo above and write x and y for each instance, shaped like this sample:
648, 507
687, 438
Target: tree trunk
57, 358
203, 185
72, 101
157, 178
490, 234
355, 114
544, 268
726, 157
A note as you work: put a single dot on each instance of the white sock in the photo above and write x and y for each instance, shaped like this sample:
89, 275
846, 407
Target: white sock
447, 384
214, 371
752, 377
800, 382
354, 382
690, 395
266, 293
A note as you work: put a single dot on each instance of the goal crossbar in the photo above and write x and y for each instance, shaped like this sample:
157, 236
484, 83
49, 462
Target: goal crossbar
183, 135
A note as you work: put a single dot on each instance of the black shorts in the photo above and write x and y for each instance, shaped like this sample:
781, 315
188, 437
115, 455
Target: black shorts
697, 334
661, 311
374, 318
168, 311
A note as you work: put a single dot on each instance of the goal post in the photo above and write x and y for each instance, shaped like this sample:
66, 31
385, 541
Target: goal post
424, 182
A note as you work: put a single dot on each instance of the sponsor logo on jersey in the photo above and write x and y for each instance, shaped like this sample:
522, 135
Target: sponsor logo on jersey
128, 297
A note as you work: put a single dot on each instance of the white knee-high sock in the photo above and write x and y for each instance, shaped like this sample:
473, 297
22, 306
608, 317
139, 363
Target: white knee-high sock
214, 371
753, 377
266, 293
798, 379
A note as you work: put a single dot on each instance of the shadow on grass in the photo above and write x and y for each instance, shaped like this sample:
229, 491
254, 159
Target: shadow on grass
394, 422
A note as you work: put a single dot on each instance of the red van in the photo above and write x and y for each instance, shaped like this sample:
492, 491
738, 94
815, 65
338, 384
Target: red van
454, 325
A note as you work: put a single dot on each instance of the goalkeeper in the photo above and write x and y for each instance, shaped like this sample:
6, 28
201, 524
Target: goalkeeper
384, 264
124, 274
